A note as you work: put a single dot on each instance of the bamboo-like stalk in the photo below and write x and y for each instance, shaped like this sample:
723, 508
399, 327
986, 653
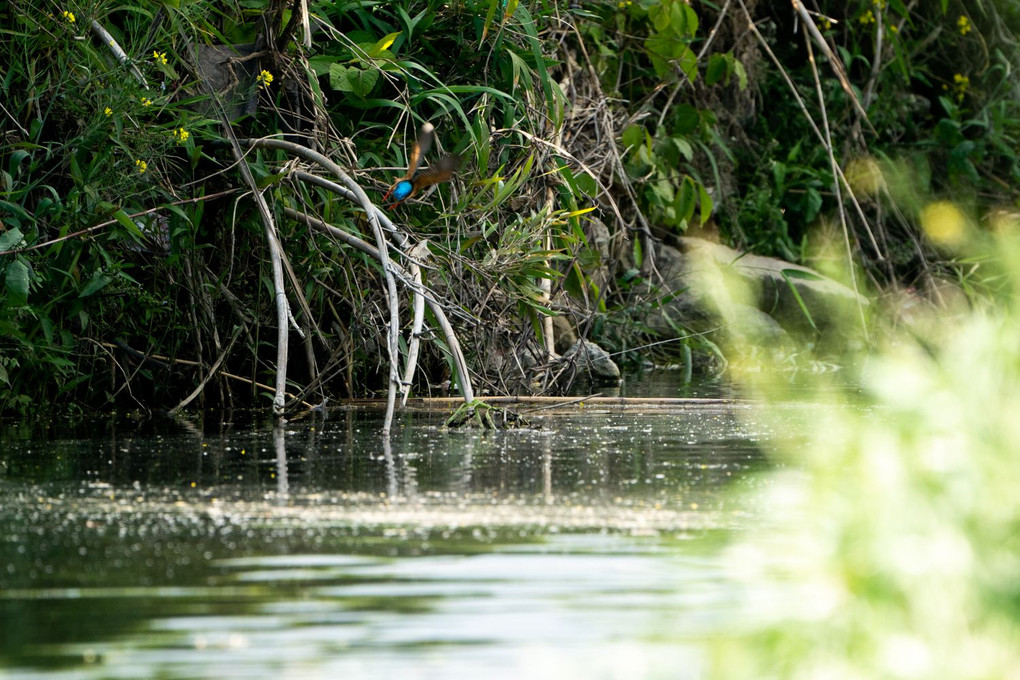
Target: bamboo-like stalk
417, 320
283, 314
398, 237
546, 402
545, 283
419, 293
460, 363
393, 339
118, 51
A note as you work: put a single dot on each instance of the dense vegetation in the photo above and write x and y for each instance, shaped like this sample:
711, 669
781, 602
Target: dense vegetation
140, 266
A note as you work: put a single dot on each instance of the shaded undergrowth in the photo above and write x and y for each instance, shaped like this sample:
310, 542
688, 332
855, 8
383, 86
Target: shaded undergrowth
136, 264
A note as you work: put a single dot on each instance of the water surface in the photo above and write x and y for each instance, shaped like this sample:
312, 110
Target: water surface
587, 545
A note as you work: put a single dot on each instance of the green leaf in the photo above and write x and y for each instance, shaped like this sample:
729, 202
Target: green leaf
98, 281
659, 14
686, 119
575, 281
352, 79
688, 62
787, 275
10, 238
122, 218
13, 165
802, 274
554, 106
683, 20
721, 67
270, 180
382, 48
738, 68
488, 20
685, 200
717, 69
633, 135
779, 174
321, 64
665, 51
17, 281
662, 190
684, 147
705, 201
586, 184
813, 204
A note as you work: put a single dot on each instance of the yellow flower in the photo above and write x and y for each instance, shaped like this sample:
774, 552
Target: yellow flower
142, 166
146, 101
159, 56
68, 16
825, 24
107, 111
944, 222
265, 78
181, 135
963, 23
960, 87
867, 18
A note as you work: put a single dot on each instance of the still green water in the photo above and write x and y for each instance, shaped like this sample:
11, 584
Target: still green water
587, 546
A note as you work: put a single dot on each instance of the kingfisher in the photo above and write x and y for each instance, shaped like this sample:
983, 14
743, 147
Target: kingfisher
415, 180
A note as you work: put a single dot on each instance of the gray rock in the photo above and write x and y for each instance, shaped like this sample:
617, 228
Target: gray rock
706, 283
226, 72
589, 357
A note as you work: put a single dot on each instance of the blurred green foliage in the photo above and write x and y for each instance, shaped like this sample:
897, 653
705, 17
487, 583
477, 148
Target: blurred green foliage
889, 542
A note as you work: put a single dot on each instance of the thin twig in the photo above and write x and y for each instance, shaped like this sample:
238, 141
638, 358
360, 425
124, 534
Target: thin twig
834, 61
107, 223
836, 184
210, 374
814, 127
198, 364
876, 63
